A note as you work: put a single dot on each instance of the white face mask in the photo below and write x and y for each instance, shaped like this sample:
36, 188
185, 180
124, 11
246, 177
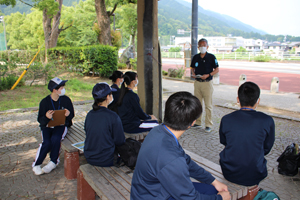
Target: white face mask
203, 49
112, 99
137, 82
62, 92
121, 81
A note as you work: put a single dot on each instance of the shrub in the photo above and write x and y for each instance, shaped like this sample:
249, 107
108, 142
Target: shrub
133, 63
122, 66
261, 58
8, 81
99, 59
180, 72
175, 49
42, 71
164, 73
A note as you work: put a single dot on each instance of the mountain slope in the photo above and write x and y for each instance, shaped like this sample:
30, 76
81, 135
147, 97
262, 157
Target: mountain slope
232, 22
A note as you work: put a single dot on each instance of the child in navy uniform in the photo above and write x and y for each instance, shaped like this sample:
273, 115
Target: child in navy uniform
103, 129
133, 118
248, 135
163, 170
117, 79
52, 136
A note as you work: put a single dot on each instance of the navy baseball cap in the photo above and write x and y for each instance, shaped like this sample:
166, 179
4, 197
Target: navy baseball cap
53, 83
101, 90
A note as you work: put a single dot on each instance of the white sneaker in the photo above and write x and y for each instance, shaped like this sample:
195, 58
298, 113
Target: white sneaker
37, 170
49, 167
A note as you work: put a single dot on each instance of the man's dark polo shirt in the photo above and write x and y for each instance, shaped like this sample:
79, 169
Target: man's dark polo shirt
204, 65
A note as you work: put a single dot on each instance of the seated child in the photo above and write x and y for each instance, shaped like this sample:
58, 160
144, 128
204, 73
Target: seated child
117, 79
163, 170
52, 136
248, 135
129, 108
103, 129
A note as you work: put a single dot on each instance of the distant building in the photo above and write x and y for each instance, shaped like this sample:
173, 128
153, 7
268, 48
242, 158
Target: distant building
219, 44
275, 48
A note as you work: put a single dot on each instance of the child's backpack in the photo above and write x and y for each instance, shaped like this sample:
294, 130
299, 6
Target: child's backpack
129, 152
266, 195
289, 160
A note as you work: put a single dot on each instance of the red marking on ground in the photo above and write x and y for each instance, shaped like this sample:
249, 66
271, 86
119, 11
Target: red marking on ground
287, 82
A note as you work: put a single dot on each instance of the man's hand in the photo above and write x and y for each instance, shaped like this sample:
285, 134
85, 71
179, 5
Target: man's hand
225, 195
193, 76
67, 113
49, 114
219, 186
205, 76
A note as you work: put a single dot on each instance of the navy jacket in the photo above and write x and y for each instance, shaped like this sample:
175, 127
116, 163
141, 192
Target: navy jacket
116, 95
163, 170
62, 103
104, 131
248, 136
131, 112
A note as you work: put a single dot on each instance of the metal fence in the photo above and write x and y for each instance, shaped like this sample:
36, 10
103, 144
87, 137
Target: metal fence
256, 56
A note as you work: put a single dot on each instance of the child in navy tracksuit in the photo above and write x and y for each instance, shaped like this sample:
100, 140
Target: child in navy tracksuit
52, 136
163, 170
247, 136
133, 118
103, 129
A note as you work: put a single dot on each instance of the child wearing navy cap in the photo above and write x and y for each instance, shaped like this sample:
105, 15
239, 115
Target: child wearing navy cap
103, 129
52, 136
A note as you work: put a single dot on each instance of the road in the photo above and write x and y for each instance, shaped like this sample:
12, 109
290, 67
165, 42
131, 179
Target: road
258, 72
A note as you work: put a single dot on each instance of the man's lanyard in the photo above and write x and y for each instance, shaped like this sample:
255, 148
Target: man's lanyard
171, 133
246, 108
53, 103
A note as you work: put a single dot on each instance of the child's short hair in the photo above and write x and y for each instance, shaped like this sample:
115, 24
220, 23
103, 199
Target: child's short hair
182, 108
248, 94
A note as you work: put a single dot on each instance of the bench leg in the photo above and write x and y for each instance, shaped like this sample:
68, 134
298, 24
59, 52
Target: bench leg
71, 164
251, 193
84, 190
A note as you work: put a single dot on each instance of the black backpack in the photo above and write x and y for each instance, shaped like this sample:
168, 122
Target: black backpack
289, 161
129, 152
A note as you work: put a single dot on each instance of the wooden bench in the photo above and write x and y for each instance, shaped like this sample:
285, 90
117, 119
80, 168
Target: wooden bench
76, 134
115, 183
71, 154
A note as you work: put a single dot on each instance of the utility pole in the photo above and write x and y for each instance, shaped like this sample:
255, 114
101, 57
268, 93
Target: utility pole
194, 34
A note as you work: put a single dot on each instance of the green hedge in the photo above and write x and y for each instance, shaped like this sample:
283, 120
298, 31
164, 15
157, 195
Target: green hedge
100, 60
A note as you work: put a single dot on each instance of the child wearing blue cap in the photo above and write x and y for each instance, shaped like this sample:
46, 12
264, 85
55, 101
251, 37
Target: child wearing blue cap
52, 136
103, 129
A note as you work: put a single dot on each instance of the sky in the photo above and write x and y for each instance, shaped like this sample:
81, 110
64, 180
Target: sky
272, 16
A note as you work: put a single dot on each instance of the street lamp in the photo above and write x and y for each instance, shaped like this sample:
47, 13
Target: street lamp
2, 20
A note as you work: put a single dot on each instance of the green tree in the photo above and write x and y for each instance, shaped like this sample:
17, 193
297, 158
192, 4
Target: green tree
128, 22
24, 31
103, 17
82, 17
51, 18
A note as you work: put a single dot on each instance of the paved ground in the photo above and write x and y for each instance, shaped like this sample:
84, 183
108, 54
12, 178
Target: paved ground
20, 136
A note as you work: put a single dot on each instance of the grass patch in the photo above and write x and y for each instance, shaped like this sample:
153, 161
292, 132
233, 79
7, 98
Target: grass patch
78, 88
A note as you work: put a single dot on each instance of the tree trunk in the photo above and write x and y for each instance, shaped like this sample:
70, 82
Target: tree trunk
51, 33
133, 43
103, 22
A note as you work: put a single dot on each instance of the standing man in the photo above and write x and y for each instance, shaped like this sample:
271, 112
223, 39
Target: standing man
204, 65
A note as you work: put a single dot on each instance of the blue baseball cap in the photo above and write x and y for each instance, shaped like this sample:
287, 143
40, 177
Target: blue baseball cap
53, 83
101, 90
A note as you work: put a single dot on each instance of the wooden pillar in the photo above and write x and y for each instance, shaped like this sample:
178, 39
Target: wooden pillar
148, 58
